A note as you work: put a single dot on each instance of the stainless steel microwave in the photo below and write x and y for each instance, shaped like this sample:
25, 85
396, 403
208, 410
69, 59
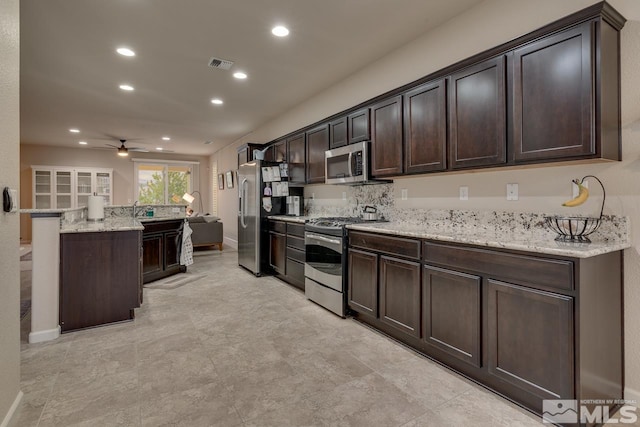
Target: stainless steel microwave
347, 165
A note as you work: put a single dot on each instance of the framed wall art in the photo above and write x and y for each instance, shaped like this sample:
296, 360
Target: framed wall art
220, 181
229, 179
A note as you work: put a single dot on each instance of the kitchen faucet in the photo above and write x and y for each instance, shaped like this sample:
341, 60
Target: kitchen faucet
134, 209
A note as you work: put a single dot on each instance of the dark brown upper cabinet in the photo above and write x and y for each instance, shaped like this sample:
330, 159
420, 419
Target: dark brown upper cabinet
477, 115
358, 127
317, 144
245, 152
386, 137
550, 95
296, 154
553, 91
425, 128
338, 133
277, 152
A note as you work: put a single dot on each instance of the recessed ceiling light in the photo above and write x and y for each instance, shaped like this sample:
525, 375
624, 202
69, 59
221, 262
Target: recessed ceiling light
74, 130
159, 148
280, 31
126, 87
217, 101
125, 51
240, 75
82, 142
166, 138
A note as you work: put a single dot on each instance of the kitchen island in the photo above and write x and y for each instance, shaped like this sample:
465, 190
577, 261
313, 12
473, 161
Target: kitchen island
100, 272
88, 273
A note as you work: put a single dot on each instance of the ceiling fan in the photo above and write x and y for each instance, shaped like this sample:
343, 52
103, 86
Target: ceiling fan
124, 151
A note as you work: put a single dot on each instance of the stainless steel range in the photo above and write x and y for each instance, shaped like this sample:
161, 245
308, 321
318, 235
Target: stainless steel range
325, 268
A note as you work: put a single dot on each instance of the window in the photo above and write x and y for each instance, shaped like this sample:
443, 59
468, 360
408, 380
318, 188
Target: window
164, 183
214, 187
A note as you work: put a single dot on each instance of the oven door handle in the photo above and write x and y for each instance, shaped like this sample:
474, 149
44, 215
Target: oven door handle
313, 239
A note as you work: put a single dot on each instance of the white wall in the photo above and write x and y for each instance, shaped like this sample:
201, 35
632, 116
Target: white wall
541, 189
123, 171
9, 176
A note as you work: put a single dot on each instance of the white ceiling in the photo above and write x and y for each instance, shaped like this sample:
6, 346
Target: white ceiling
70, 71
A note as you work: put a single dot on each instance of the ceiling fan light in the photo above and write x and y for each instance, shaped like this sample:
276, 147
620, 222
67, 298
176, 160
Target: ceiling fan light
123, 152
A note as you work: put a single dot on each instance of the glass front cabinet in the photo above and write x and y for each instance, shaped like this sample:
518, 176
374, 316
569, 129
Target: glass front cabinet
69, 187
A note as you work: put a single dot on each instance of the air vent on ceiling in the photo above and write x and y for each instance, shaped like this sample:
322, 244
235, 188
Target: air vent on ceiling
208, 142
222, 64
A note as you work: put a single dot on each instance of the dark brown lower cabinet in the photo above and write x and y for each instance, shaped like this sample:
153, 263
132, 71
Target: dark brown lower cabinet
363, 282
400, 294
529, 326
295, 255
99, 278
277, 251
161, 241
287, 251
451, 317
530, 339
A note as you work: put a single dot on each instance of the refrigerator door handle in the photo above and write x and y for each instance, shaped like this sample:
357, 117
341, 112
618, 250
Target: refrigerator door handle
243, 202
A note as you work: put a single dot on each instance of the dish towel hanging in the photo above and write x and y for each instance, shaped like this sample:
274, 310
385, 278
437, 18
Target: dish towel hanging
186, 254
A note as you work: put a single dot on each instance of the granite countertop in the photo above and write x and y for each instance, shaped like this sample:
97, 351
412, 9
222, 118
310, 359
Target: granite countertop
495, 239
109, 224
145, 219
290, 218
47, 211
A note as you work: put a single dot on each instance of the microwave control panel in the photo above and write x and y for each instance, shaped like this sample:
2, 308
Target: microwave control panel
357, 163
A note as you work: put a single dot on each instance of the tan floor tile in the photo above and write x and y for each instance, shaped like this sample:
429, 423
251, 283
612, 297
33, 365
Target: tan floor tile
232, 349
366, 401
204, 406
425, 381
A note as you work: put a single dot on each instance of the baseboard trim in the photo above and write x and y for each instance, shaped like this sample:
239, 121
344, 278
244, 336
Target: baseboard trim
8, 419
631, 394
42, 336
231, 242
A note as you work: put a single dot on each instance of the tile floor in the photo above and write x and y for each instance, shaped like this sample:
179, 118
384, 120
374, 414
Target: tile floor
233, 350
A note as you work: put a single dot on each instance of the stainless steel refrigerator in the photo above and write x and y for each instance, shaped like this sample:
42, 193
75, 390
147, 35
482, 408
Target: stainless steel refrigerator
253, 251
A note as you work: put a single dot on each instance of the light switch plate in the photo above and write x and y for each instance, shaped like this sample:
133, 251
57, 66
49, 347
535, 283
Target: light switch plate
344, 195
464, 192
175, 210
512, 192
405, 194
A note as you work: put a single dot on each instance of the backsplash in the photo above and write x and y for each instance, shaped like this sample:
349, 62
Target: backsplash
528, 225
159, 211
71, 216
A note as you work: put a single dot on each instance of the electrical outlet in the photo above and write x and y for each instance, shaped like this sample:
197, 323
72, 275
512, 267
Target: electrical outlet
313, 196
575, 190
175, 210
344, 195
464, 192
512, 192
405, 194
